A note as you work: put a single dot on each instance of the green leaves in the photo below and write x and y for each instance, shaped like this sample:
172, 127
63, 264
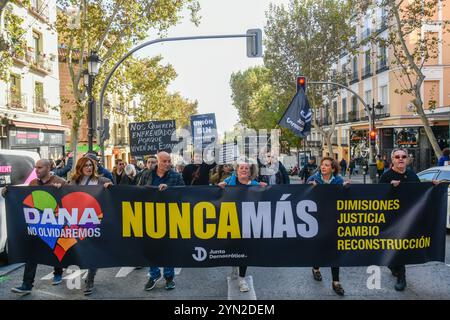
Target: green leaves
148, 80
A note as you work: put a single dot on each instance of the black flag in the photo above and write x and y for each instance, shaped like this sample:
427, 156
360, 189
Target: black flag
298, 115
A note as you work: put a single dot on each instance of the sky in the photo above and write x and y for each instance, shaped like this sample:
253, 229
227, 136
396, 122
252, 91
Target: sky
204, 67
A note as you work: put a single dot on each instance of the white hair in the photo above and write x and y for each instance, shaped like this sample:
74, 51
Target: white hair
130, 170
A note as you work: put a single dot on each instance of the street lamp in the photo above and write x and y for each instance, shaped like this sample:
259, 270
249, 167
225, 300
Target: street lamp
372, 139
93, 64
254, 50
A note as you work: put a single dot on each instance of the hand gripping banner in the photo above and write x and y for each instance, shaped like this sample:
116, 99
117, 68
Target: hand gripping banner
274, 226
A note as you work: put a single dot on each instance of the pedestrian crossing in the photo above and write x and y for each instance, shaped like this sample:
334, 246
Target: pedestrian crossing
72, 274
232, 281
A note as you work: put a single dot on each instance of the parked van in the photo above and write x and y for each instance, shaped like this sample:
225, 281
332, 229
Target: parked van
16, 168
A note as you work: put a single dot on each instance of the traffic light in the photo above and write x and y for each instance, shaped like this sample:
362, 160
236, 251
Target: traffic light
373, 137
254, 43
301, 83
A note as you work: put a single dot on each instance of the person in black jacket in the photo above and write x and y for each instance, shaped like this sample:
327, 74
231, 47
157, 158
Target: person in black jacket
397, 174
143, 176
197, 173
272, 171
308, 169
130, 176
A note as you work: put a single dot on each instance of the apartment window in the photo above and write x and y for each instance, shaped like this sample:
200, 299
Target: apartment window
344, 108
431, 94
432, 45
15, 92
367, 67
355, 64
37, 44
384, 95
354, 113
368, 99
39, 102
382, 58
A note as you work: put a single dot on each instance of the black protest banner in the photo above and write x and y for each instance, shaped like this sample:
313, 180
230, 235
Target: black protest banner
293, 225
151, 137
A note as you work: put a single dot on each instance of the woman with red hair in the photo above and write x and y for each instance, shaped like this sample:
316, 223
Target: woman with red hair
86, 175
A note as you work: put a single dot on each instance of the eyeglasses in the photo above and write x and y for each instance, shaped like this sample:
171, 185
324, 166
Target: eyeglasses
87, 165
400, 157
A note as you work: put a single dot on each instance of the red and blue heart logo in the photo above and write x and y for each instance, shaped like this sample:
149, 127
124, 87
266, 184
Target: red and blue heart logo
61, 226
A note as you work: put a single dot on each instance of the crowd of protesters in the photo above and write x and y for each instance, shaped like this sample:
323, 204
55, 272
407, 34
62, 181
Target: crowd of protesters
159, 171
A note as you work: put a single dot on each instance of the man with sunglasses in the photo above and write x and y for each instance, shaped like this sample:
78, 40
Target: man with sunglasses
399, 172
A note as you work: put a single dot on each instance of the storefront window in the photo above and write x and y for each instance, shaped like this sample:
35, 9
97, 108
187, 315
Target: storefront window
406, 137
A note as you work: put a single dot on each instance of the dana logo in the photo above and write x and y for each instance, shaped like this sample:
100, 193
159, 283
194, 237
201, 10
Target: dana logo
62, 227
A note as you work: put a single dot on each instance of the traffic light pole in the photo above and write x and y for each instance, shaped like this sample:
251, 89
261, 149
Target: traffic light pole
254, 45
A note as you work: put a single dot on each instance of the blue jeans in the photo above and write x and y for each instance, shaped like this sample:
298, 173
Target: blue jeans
169, 272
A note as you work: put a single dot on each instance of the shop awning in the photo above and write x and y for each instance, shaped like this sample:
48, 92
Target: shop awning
32, 125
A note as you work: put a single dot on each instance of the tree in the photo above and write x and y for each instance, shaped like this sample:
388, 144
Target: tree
110, 27
406, 20
12, 41
257, 102
307, 38
149, 81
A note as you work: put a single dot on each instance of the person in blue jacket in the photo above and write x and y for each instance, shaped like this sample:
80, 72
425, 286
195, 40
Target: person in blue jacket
328, 174
445, 157
244, 175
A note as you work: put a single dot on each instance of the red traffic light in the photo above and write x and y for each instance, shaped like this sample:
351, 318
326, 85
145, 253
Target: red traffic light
301, 83
373, 134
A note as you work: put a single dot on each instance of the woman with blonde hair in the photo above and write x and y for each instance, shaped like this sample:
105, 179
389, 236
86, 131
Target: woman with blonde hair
86, 175
245, 175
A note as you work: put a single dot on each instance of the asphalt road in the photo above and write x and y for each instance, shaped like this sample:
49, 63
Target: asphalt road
426, 281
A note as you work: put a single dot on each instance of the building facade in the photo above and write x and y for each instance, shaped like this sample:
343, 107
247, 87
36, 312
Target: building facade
376, 80
30, 101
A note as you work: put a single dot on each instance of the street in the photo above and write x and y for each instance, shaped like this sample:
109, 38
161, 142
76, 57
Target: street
427, 281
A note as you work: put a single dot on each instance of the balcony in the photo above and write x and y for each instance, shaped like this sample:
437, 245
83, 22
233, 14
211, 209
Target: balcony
39, 62
382, 65
314, 143
366, 71
353, 116
383, 113
16, 100
354, 77
364, 118
20, 57
40, 10
40, 105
